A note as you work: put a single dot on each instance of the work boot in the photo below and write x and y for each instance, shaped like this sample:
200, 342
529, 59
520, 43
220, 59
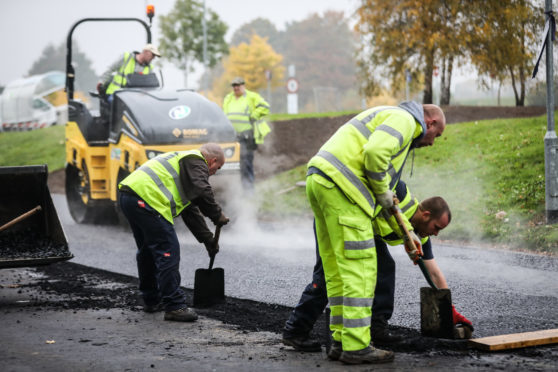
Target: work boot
153, 308
367, 355
382, 335
335, 350
181, 315
301, 343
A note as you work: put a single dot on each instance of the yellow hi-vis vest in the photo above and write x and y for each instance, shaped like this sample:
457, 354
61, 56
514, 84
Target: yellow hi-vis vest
247, 112
393, 235
128, 67
157, 182
366, 155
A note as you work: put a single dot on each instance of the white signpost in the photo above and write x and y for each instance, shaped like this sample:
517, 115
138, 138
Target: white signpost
292, 89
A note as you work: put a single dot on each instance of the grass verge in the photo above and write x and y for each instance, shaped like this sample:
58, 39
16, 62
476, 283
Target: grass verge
42, 146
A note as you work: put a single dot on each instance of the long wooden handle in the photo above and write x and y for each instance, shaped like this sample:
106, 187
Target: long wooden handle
21, 218
403, 227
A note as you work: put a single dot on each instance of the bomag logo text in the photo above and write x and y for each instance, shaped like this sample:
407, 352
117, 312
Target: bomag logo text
189, 133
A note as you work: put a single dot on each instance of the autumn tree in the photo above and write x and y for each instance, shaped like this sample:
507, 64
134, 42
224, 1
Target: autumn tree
413, 35
250, 61
259, 26
182, 35
504, 40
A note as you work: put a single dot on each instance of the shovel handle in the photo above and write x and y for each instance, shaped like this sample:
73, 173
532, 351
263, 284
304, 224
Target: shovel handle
21, 218
216, 240
407, 237
402, 226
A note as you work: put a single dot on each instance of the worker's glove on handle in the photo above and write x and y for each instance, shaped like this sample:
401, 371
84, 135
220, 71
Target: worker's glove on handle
222, 220
212, 247
460, 319
414, 253
386, 200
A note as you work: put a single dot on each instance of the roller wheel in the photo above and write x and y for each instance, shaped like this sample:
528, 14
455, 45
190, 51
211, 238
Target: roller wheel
78, 195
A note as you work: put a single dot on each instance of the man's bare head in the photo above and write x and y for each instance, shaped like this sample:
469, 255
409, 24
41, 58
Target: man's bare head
213, 154
435, 124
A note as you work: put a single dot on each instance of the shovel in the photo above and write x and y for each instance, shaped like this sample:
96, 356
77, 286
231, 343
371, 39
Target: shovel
436, 315
209, 284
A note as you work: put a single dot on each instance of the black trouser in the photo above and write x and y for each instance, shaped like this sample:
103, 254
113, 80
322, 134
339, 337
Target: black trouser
314, 297
247, 166
158, 254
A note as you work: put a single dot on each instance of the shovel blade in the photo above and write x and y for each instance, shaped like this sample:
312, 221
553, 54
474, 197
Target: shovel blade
436, 316
209, 287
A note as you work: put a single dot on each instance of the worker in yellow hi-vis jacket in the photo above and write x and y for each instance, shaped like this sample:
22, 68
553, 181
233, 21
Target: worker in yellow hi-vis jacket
350, 181
247, 110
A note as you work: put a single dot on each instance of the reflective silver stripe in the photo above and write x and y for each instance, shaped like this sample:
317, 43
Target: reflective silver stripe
237, 113
161, 187
164, 161
348, 175
334, 301
356, 246
391, 131
376, 176
361, 127
356, 323
350, 301
335, 320
240, 121
409, 205
357, 302
379, 176
262, 105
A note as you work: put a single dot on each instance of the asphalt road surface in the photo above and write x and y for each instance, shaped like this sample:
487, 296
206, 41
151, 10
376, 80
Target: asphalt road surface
500, 292
73, 317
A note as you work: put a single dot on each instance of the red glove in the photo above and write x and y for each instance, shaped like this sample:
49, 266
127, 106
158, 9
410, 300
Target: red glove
460, 319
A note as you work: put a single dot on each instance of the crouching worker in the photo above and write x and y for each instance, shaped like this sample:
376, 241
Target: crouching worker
169, 185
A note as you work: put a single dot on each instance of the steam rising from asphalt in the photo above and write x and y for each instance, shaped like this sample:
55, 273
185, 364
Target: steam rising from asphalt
248, 229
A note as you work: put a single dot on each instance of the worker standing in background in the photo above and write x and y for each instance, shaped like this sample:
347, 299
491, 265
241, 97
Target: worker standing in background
350, 181
115, 77
169, 185
246, 110
427, 218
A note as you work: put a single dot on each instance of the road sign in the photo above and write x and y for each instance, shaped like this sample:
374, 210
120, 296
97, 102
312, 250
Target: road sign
292, 85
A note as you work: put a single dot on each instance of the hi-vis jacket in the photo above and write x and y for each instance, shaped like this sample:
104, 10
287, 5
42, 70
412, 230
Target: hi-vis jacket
158, 183
247, 112
128, 67
365, 157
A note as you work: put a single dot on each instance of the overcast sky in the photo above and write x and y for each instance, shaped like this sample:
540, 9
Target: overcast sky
28, 26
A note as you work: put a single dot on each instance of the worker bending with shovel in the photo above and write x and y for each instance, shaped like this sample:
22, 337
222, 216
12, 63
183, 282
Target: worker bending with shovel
349, 182
427, 218
169, 185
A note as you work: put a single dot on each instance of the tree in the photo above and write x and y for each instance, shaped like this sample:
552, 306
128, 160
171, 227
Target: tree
251, 61
54, 58
411, 35
504, 42
322, 49
259, 26
182, 40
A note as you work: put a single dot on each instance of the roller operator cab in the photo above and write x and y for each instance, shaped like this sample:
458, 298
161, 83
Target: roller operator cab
144, 120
